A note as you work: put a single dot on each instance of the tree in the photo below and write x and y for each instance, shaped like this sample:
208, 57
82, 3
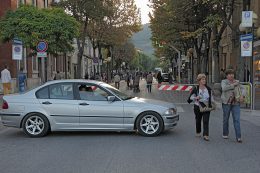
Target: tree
120, 22
143, 62
192, 24
31, 25
124, 53
84, 11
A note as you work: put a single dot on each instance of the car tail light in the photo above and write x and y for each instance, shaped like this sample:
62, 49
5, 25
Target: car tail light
5, 105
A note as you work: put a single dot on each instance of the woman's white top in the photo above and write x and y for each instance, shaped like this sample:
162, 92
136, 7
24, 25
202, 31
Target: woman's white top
204, 96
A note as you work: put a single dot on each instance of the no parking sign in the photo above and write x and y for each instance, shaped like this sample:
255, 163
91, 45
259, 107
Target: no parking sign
41, 48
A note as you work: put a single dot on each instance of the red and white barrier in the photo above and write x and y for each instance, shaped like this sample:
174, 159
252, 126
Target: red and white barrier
175, 87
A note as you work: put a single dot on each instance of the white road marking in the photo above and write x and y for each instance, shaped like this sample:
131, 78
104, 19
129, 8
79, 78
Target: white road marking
180, 109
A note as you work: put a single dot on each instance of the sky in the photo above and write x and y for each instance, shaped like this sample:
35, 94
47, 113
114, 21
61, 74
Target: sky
142, 4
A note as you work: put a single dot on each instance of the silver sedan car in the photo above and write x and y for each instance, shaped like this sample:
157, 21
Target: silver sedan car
79, 105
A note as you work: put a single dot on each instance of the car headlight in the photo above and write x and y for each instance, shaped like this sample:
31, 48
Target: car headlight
171, 111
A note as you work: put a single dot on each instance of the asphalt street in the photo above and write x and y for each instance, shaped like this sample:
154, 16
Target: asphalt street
175, 151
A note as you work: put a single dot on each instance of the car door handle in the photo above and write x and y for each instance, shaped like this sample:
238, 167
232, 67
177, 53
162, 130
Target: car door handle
83, 104
46, 103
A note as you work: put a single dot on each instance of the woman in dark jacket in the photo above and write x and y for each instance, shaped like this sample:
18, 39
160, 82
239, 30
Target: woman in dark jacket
201, 96
159, 78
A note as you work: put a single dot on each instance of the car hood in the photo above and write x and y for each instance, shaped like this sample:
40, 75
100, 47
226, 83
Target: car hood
152, 102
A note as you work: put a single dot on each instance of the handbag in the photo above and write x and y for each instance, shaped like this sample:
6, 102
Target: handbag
204, 106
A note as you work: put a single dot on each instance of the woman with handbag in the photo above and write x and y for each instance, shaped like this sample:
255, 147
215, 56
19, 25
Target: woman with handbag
203, 104
232, 96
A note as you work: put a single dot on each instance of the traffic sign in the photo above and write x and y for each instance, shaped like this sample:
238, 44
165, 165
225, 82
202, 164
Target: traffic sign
247, 19
41, 54
42, 46
17, 49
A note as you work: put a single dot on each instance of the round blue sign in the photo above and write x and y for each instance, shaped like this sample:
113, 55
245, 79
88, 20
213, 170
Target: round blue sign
42, 46
17, 49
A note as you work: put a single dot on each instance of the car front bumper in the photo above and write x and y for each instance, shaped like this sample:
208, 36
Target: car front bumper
170, 121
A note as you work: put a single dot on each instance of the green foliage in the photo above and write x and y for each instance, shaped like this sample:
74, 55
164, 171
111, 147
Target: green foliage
105, 22
143, 62
121, 18
189, 23
31, 25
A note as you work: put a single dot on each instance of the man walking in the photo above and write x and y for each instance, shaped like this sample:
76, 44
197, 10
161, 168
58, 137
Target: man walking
232, 95
57, 76
149, 81
128, 78
6, 80
22, 80
117, 81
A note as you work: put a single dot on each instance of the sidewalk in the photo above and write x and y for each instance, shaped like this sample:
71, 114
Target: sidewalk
251, 116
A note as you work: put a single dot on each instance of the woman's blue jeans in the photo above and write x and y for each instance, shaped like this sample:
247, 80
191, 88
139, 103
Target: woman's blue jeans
235, 110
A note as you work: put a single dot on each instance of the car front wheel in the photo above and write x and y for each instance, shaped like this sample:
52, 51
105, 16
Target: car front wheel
36, 125
149, 124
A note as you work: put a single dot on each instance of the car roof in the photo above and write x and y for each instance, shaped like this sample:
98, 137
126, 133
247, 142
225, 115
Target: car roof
74, 81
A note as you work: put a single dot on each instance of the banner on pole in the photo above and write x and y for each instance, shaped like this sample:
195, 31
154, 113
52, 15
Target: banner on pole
246, 44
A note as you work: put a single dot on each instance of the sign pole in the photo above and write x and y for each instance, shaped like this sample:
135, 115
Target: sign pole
17, 71
252, 71
43, 69
41, 48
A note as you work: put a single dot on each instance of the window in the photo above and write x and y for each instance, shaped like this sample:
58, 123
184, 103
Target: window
43, 93
62, 91
34, 3
92, 93
45, 3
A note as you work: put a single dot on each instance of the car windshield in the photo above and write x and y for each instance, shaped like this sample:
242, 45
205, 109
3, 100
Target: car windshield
121, 95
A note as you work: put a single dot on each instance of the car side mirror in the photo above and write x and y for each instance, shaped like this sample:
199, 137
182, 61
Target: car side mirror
111, 98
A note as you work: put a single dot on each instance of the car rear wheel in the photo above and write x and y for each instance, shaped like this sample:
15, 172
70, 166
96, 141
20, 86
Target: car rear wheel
149, 124
36, 125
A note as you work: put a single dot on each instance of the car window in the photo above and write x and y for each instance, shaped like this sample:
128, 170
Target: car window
92, 92
120, 94
43, 93
62, 91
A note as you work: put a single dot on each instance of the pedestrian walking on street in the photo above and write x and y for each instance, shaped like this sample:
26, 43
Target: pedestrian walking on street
232, 96
6, 80
202, 98
127, 79
22, 80
136, 81
57, 76
86, 76
159, 78
149, 82
117, 81
170, 77
222, 74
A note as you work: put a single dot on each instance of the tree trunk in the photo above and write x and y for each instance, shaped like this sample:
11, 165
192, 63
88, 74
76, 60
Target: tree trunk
215, 57
81, 46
